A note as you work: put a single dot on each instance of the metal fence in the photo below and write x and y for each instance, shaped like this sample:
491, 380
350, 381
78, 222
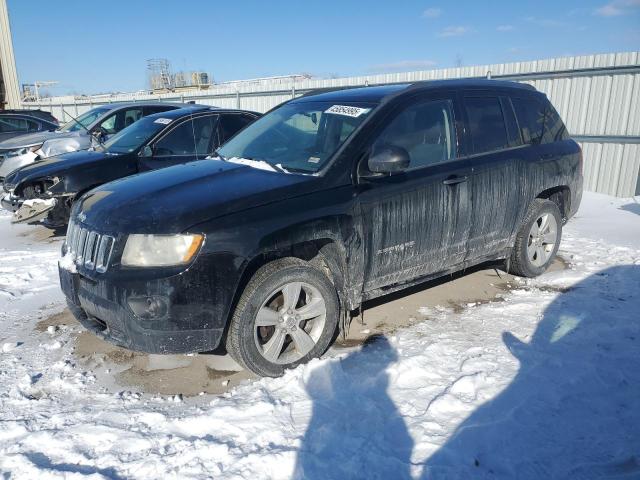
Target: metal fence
598, 96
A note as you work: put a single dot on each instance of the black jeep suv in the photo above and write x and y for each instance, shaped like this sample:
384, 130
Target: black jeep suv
328, 200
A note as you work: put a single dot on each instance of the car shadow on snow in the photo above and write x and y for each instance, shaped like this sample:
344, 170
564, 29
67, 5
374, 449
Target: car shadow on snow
633, 207
573, 409
355, 430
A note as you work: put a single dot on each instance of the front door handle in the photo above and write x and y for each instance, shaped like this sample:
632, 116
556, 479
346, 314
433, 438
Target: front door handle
454, 180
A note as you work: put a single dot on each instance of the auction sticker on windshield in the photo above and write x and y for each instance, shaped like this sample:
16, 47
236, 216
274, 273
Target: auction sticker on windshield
347, 110
163, 121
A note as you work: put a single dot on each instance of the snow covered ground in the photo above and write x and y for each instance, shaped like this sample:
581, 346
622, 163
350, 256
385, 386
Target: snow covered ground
544, 382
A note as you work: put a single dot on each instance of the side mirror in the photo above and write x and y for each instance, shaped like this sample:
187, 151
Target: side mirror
146, 151
389, 159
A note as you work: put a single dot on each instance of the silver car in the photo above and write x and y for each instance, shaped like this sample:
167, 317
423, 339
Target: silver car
79, 134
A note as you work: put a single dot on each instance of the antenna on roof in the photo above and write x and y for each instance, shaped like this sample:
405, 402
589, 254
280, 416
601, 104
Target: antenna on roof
488, 74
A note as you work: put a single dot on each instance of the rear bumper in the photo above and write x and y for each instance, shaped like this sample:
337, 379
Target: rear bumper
104, 309
576, 197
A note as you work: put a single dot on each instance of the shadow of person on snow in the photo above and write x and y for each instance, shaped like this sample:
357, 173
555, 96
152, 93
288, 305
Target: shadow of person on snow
573, 409
355, 430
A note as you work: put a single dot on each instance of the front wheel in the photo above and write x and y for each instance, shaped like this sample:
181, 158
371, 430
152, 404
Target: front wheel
286, 316
537, 240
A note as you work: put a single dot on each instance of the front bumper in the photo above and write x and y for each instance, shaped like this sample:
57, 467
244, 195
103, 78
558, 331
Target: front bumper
10, 202
187, 325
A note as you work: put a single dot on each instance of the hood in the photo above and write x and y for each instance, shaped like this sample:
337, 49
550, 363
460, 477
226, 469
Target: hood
30, 139
54, 166
173, 199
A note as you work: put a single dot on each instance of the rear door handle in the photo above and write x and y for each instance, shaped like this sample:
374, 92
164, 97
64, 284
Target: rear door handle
454, 180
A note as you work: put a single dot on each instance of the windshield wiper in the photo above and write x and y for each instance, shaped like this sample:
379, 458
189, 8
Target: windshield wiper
76, 120
221, 157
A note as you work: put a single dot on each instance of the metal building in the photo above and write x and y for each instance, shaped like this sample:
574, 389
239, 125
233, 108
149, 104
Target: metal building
9, 89
597, 95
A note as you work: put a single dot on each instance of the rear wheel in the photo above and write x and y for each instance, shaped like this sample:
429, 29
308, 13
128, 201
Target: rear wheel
537, 240
286, 316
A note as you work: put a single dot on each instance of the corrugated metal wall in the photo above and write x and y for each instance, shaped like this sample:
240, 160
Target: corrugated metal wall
598, 96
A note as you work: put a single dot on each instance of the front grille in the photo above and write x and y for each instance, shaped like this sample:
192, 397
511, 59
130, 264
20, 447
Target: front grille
89, 249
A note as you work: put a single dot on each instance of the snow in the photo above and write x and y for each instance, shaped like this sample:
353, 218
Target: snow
67, 263
39, 202
543, 382
259, 164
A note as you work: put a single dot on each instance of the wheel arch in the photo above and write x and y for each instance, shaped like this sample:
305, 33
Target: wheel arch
561, 196
325, 253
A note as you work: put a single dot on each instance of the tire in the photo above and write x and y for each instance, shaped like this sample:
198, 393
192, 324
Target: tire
259, 347
534, 250
29, 193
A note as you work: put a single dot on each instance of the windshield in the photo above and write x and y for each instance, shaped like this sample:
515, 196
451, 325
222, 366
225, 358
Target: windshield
85, 119
129, 139
298, 136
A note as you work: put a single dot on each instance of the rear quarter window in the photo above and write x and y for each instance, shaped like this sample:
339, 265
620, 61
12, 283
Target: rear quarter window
539, 122
554, 128
530, 114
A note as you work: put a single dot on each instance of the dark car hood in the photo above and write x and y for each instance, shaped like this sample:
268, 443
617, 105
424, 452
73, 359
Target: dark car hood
54, 166
30, 139
173, 199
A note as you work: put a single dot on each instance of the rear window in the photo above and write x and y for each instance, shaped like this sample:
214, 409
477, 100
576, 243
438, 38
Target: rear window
486, 123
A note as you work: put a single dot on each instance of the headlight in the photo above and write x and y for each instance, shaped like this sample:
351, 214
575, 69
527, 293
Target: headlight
160, 250
23, 151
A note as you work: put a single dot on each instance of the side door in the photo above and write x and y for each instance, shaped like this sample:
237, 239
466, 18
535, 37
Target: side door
192, 139
496, 156
415, 223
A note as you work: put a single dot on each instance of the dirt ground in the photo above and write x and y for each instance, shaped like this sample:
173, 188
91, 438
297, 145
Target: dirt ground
190, 375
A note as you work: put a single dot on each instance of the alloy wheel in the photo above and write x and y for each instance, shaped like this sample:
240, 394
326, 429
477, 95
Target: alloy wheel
290, 322
543, 237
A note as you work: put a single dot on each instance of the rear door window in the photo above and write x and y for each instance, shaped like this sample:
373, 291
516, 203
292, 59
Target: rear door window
486, 124
530, 113
425, 130
14, 124
232, 123
192, 137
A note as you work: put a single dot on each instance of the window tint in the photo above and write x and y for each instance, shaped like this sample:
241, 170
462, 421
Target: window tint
16, 124
206, 138
486, 124
530, 115
425, 131
230, 125
510, 121
181, 140
554, 129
